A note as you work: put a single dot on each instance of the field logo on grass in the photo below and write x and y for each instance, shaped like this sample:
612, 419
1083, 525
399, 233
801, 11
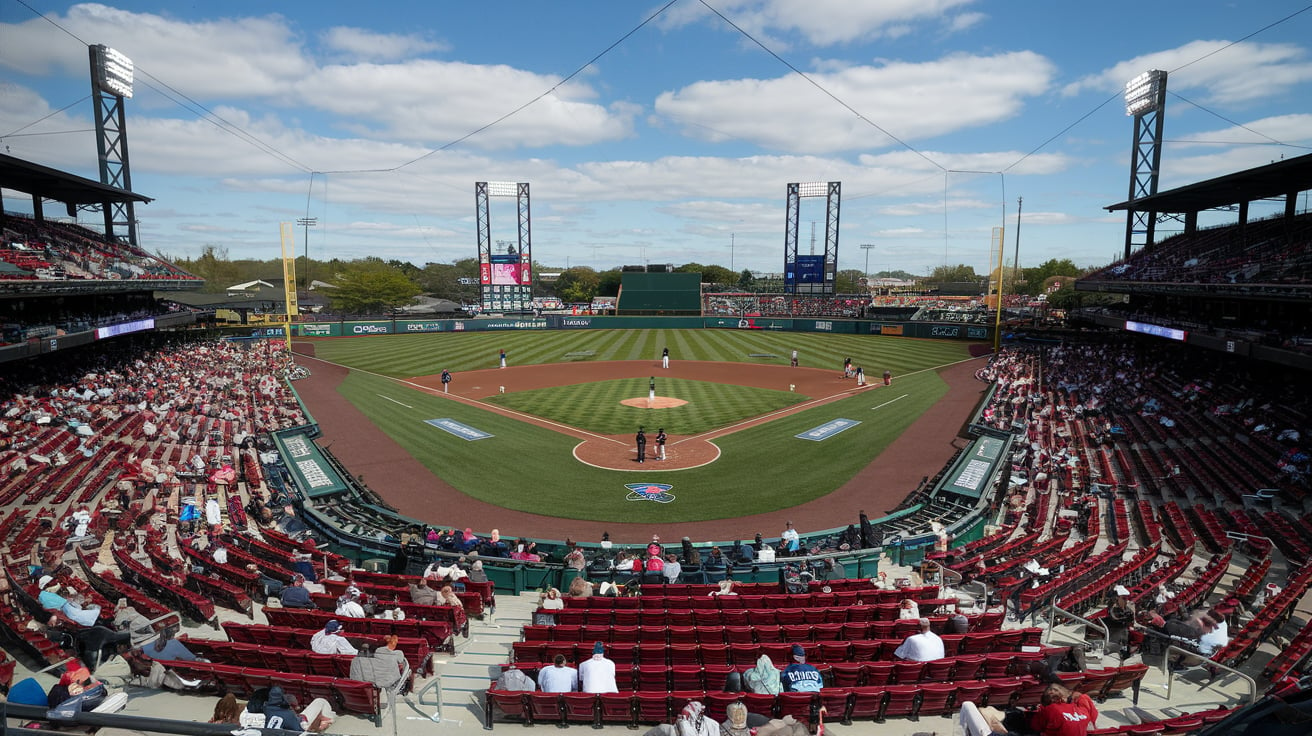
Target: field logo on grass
658, 492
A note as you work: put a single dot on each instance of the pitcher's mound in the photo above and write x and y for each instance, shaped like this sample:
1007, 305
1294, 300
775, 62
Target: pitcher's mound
660, 402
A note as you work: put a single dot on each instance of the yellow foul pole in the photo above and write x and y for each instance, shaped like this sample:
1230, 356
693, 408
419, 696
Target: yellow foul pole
288, 238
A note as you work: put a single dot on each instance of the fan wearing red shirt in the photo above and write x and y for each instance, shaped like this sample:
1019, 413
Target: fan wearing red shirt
1060, 714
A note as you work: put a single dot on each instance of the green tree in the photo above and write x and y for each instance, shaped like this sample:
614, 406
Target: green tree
849, 281
578, 284
952, 274
1035, 278
746, 281
719, 275
213, 266
609, 282
370, 286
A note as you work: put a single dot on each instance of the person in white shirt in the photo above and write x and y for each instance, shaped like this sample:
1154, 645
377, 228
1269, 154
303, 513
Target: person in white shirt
672, 569
349, 604
598, 673
908, 610
329, 640
923, 647
790, 538
558, 678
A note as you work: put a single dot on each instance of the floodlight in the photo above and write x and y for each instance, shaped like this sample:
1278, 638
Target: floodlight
1144, 92
502, 189
812, 189
113, 71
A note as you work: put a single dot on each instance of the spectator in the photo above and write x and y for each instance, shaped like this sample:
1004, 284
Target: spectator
384, 671
790, 541
923, 647
551, 600
1060, 714
1120, 615
800, 676
227, 710
73, 607
654, 546
672, 569
1217, 638
449, 597
168, 649
575, 560
348, 605
295, 595
75, 681
907, 609
654, 567
280, 712
725, 588
580, 588
763, 677
329, 640
958, 623
513, 679
423, 595
558, 678
598, 673
476, 574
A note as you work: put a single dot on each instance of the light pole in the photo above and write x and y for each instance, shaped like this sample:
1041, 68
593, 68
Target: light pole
867, 247
307, 223
731, 237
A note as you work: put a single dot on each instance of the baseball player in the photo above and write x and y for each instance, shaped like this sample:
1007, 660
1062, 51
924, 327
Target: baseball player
503, 357
641, 439
794, 358
446, 381
660, 444
665, 357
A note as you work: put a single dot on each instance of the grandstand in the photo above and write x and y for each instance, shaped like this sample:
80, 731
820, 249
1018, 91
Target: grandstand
1177, 468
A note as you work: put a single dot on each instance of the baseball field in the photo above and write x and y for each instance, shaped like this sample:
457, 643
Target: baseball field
552, 434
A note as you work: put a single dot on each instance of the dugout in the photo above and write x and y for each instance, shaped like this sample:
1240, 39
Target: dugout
668, 294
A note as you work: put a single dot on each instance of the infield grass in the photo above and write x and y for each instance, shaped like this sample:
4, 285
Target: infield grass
596, 406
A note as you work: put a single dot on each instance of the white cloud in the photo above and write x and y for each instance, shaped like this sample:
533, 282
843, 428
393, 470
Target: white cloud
1293, 129
1243, 73
820, 22
964, 21
912, 101
359, 43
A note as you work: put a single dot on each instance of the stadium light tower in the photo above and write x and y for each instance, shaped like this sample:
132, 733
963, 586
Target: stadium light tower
1145, 101
111, 83
867, 247
307, 223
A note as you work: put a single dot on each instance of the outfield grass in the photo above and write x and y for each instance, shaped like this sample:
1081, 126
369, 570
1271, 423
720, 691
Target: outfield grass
596, 406
531, 468
428, 353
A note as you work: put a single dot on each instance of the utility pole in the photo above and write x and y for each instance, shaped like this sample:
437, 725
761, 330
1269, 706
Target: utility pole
1015, 264
731, 237
307, 223
867, 247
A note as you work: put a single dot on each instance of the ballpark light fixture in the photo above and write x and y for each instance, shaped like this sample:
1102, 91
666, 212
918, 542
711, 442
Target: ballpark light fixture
1143, 93
113, 72
812, 188
502, 188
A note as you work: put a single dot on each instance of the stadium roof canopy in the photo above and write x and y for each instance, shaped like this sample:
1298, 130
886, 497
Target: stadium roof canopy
47, 183
1277, 179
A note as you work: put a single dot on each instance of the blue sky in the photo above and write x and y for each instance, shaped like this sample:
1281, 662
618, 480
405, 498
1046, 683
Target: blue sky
675, 145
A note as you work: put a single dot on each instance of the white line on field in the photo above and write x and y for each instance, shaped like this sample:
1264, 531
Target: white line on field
394, 401
886, 403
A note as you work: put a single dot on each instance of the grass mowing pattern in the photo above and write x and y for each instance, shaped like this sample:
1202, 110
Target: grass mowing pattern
596, 407
427, 354
530, 468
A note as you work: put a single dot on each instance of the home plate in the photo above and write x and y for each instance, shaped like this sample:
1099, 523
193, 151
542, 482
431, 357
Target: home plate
660, 402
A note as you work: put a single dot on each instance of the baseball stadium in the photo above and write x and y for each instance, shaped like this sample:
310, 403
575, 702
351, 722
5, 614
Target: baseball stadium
790, 511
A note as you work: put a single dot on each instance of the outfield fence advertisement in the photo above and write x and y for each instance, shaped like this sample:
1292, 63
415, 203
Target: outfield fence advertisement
932, 330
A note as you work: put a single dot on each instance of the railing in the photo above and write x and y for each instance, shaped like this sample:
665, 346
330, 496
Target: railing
1170, 676
1054, 611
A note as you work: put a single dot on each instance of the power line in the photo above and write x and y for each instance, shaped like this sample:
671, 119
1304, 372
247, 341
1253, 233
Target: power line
1228, 120
822, 88
15, 132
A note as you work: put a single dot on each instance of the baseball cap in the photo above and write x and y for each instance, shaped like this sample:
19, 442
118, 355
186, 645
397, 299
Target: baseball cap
598, 648
1122, 590
798, 652
44, 581
332, 627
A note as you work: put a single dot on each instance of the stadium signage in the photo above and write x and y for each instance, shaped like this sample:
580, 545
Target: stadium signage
827, 430
527, 324
1150, 329
463, 431
423, 327
369, 329
308, 466
124, 328
576, 322
977, 333
945, 331
316, 330
655, 492
824, 326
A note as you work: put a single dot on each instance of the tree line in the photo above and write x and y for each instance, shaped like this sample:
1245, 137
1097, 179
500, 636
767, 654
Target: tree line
371, 284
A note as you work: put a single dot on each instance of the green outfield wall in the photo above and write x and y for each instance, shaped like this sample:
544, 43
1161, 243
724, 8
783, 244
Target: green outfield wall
929, 330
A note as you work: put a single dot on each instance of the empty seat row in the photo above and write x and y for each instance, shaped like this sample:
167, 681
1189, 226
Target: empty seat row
979, 641
755, 616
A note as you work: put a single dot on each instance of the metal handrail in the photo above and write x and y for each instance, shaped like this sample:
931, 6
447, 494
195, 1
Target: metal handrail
1053, 610
1170, 676
433, 684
